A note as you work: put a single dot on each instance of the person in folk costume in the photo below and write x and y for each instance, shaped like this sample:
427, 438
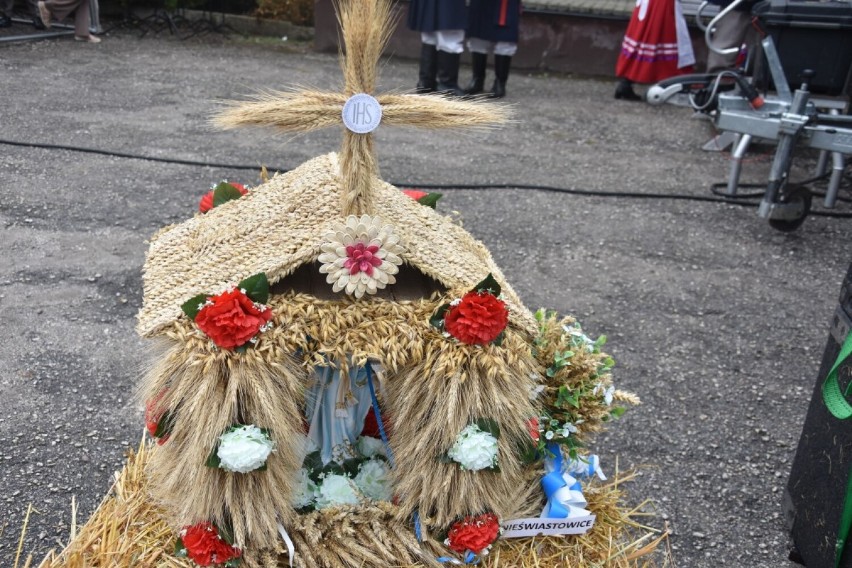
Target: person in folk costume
441, 24
656, 46
492, 26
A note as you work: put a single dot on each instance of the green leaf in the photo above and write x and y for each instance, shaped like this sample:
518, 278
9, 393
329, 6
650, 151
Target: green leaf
490, 426
430, 199
164, 425
495, 468
227, 534
437, 319
498, 341
213, 459
233, 563
180, 548
225, 192
313, 461
191, 306
565, 395
488, 285
333, 467
617, 411
600, 341
529, 453
256, 287
351, 466
444, 458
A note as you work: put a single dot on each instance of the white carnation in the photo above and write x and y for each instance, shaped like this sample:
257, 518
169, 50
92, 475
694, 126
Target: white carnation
373, 481
244, 449
306, 490
369, 447
336, 490
474, 449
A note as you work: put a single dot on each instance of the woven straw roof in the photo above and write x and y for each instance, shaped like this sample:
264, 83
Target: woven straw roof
280, 226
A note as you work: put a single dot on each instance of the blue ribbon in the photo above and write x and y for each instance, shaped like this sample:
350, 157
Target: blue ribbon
554, 481
469, 558
378, 413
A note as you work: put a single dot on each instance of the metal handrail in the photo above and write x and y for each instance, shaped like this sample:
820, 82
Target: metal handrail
708, 32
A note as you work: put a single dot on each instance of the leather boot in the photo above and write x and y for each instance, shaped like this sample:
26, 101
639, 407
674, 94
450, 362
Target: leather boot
501, 75
624, 90
448, 74
479, 62
428, 69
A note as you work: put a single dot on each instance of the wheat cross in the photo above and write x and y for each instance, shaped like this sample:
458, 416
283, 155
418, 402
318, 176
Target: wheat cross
366, 27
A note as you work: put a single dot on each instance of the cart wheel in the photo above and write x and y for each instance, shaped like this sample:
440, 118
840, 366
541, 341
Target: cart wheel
796, 203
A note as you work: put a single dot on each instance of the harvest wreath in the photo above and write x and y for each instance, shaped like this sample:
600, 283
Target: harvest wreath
344, 377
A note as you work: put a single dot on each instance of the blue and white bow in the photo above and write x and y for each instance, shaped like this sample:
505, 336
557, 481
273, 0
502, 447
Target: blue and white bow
564, 493
586, 467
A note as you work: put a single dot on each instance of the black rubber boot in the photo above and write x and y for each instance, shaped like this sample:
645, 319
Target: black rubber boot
624, 90
448, 74
501, 75
479, 62
428, 69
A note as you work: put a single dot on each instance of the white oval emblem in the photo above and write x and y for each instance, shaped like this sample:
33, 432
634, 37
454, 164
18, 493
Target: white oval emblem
362, 113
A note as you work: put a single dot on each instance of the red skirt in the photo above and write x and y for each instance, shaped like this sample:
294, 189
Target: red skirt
656, 45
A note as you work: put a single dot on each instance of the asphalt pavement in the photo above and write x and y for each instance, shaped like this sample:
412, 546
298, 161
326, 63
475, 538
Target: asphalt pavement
716, 321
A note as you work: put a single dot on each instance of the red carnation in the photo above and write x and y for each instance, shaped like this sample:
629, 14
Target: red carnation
232, 319
205, 547
474, 533
414, 194
532, 427
154, 412
206, 203
479, 318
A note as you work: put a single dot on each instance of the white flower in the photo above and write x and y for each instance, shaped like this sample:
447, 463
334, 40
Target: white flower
368, 447
372, 480
549, 434
535, 391
568, 429
336, 490
244, 449
608, 395
306, 490
474, 449
361, 255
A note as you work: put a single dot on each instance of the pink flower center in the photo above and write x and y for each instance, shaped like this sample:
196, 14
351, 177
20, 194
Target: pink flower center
362, 258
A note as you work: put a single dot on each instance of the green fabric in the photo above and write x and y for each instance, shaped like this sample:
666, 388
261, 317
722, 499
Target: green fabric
834, 399
836, 402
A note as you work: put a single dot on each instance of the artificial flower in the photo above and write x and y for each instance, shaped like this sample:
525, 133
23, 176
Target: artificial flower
306, 490
244, 448
372, 480
423, 198
533, 428
474, 449
361, 256
336, 490
203, 544
369, 447
414, 194
473, 533
231, 319
158, 420
479, 318
207, 202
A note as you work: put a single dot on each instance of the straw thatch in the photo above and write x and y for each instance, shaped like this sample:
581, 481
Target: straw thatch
280, 226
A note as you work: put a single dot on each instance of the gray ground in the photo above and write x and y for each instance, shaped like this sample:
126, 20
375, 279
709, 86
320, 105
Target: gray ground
716, 321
